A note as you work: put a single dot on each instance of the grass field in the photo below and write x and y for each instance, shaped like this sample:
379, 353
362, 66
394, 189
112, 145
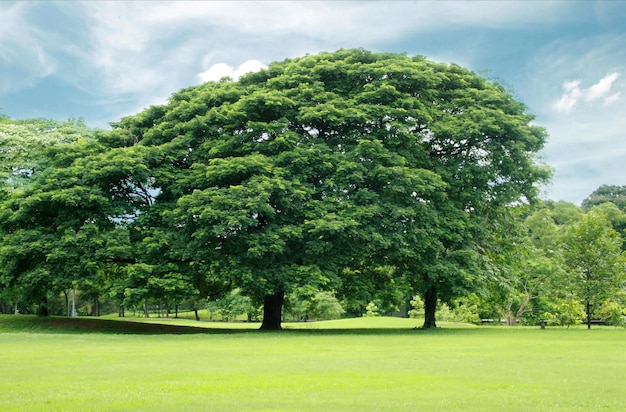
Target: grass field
371, 364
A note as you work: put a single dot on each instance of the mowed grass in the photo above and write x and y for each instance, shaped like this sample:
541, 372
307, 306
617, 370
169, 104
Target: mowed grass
377, 364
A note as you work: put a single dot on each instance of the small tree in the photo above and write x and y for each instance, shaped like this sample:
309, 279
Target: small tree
372, 310
463, 310
592, 253
298, 303
417, 305
325, 306
566, 311
613, 312
234, 304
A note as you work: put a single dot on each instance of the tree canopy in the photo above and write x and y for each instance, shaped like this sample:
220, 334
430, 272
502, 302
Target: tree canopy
347, 159
23, 144
605, 194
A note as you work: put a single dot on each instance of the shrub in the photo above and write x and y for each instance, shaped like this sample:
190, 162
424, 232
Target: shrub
372, 310
325, 306
417, 305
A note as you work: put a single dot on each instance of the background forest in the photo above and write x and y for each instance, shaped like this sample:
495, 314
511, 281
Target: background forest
340, 184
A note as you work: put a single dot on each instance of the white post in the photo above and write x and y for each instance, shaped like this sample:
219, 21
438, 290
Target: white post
74, 314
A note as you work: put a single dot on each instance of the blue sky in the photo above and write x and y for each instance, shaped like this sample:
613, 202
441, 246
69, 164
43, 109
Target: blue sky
100, 61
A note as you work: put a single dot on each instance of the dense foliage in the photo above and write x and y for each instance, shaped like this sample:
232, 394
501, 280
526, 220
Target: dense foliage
348, 177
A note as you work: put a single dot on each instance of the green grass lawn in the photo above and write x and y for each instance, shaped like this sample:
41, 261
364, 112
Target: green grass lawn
378, 364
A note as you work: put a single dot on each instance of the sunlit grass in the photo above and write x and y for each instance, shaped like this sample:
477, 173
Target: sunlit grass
354, 323
380, 322
392, 367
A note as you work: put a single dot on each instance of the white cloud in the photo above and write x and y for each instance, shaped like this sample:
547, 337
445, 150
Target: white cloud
221, 70
569, 98
573, 93
602, 88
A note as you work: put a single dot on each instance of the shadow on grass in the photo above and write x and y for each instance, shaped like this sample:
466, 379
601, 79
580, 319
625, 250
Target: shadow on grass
57, 324
68, 325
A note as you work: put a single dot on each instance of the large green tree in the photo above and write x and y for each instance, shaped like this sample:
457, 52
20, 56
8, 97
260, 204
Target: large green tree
290, 175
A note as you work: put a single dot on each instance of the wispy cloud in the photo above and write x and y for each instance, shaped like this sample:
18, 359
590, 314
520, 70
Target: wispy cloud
23, 58
138, 44
157, 47
609, 100
573, 93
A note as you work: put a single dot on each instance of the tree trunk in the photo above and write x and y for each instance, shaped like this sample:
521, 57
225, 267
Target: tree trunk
195, 311
430, 306
272, 311
67, 303
96, 306
588, 310
145, 309
121, 311
42, 309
